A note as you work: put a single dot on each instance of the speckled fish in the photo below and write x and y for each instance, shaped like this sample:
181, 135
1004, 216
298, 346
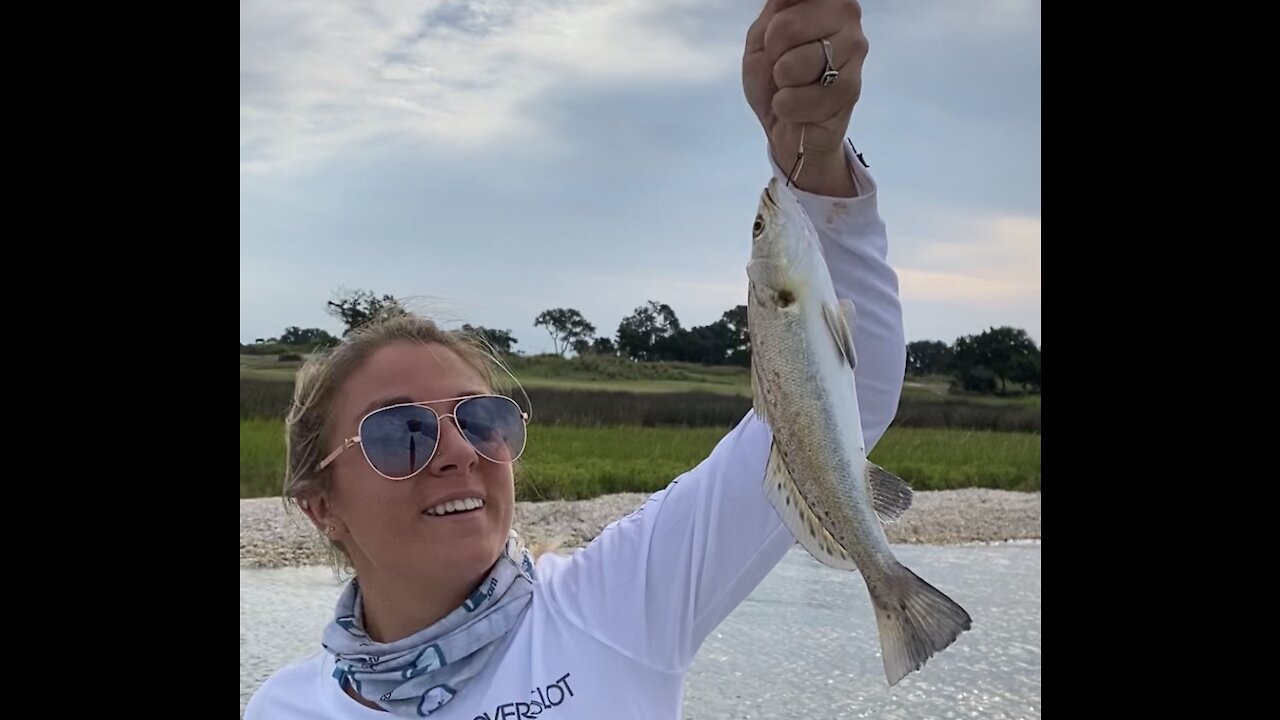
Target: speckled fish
832, 499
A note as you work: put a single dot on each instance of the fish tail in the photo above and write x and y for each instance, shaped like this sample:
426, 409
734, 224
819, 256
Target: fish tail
916, 621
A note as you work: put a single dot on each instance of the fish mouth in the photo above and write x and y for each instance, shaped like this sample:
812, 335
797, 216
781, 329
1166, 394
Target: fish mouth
768, 195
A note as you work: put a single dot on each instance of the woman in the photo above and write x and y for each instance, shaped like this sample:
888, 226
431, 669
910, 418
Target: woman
401, 452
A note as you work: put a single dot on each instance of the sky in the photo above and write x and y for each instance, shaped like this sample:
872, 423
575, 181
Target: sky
487, 160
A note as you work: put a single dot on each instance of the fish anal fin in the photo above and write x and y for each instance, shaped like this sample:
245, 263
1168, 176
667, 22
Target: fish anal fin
798, 517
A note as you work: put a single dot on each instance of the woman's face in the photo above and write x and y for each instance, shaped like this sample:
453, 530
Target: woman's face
405, 527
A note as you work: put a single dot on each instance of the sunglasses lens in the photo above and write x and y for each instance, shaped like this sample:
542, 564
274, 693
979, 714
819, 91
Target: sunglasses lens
398, 441
493, 426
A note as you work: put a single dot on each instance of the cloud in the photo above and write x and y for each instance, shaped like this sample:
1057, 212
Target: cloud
681, 293
317, 78
595, 154
942, 286
985, 259
928, 20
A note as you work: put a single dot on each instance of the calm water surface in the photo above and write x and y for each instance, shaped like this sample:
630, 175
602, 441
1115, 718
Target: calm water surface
803, 645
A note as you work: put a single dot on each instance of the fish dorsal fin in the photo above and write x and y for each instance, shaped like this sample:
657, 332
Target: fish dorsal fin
840, 319
890, 494
798, 517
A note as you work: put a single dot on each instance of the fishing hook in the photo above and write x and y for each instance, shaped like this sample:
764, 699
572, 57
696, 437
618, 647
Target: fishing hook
795, 169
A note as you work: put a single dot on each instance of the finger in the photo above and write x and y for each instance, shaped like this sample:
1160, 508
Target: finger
813, 103
755, 33
805, 23
805, 64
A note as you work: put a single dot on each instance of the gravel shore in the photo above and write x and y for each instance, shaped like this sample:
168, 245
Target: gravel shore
270, 537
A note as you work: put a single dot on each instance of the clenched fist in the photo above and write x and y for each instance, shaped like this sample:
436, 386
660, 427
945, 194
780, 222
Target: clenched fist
782, 70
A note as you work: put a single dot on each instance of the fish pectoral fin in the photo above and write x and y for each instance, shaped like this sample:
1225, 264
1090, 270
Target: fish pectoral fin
798, 517
890, 494
840, 319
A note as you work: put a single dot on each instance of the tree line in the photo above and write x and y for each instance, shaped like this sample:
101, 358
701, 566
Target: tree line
978, 363
984, 362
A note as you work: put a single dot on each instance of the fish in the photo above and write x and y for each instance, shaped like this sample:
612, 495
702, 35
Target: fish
834, 501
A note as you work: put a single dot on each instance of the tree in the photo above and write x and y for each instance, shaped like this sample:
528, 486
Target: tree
312, 337
565, 325
705, 344
735, 321
640, 333
604, 346
357, 307
1026, 370
929, 357
1003, 351
501, 340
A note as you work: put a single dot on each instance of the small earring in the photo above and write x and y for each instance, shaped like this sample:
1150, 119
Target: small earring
329, 531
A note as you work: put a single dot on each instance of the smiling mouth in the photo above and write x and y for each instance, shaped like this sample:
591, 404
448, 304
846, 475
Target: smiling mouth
455, 507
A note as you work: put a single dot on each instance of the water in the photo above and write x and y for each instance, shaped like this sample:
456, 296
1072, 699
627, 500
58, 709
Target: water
803, 645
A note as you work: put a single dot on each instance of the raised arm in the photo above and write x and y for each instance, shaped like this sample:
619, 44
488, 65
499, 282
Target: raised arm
655, 584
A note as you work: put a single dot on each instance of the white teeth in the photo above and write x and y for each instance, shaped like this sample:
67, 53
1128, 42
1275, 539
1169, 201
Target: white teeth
456, 506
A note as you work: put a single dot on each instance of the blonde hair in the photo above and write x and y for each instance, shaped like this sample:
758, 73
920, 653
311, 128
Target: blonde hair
308, 424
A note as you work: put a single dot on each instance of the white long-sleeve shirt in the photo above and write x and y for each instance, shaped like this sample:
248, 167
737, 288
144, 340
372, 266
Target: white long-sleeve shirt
612, 629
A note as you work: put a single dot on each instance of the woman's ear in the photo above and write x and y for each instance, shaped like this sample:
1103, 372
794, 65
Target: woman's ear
320, 511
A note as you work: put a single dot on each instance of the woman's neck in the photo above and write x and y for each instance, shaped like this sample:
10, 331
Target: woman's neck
395, 606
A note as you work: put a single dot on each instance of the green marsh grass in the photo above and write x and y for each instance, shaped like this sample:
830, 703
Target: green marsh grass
568, 462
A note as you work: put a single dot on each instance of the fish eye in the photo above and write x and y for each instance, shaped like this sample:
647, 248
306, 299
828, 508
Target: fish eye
785, 297
758, 227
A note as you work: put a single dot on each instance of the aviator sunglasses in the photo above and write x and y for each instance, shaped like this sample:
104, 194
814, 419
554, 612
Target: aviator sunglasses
398, 441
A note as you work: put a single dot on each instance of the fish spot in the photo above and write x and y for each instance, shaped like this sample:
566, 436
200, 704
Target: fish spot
788, 501
785, 297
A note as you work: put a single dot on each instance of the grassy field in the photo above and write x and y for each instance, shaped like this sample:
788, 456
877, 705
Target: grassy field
582, 462
597, 374
605, 425
286, 374
264, 397
617, 375
937, 388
